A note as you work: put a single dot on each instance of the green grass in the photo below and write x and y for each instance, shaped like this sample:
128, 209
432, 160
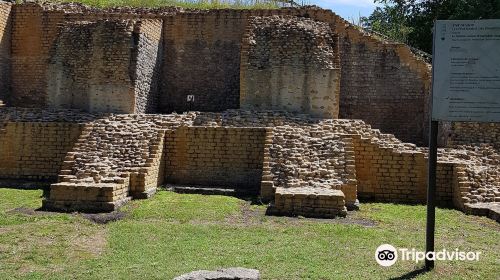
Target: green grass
171, 234
195, 4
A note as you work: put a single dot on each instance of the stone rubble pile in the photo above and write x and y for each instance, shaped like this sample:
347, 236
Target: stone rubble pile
14, 114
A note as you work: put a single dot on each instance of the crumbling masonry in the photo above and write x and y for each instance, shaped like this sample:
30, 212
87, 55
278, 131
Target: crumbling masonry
294, 105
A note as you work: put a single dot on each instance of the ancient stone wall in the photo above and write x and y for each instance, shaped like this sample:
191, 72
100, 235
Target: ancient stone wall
476, 134
385, 174
201, 58
5, 45
115, 158
290, 64
90, 67
379, 87
146, 65
35, 29
216, 157
383, 83
28, 64
35, 150
386, 74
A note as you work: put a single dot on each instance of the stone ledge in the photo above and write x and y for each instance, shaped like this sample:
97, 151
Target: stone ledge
84, 206
143, 195
490, 210
308, 202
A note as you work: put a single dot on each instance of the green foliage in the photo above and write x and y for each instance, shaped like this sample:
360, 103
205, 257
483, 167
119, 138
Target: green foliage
391, 21
411, 21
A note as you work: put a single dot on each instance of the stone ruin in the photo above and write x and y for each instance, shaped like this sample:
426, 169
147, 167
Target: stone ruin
294, 105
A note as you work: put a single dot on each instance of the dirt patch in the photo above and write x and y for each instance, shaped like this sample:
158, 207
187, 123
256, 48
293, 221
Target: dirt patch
100, 218
31, 212
257, 215
94, 243
104, 218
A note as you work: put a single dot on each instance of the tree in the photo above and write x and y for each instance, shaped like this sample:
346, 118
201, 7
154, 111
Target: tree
391, 21
411, 21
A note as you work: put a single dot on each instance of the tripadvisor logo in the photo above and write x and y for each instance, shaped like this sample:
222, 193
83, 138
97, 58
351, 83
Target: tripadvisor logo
387, 255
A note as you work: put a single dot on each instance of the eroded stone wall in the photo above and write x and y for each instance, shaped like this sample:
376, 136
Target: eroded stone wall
216, 157
117, 157
146, 65
290, 64
5, 50
384, 84
201, 57
90, 67
474, 134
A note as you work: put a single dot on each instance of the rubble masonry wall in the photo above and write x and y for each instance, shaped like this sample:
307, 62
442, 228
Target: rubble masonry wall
470, 133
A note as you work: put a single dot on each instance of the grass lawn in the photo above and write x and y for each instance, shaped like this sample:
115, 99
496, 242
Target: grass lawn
171, 234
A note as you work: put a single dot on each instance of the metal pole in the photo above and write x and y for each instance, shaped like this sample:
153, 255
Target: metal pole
431, 194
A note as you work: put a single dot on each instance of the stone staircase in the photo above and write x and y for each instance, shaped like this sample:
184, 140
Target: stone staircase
115, 159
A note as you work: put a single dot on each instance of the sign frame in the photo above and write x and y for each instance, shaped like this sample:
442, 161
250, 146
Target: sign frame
433, 136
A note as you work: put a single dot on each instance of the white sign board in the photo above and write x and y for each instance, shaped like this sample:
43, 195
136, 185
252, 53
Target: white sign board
466, 71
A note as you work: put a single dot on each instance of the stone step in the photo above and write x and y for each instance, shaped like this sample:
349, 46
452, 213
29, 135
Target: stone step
489, 209
210, 190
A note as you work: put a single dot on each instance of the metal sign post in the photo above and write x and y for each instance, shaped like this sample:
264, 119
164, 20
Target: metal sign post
431, 194
431, 182
465, 87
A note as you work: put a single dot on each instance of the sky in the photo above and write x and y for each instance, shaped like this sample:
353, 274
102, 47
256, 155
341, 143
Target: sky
348, 9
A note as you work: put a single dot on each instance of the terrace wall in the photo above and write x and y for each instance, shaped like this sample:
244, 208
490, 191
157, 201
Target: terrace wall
216, 157
386, 174
35, 150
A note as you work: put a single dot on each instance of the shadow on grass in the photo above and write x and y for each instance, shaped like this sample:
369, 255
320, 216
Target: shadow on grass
411, 274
